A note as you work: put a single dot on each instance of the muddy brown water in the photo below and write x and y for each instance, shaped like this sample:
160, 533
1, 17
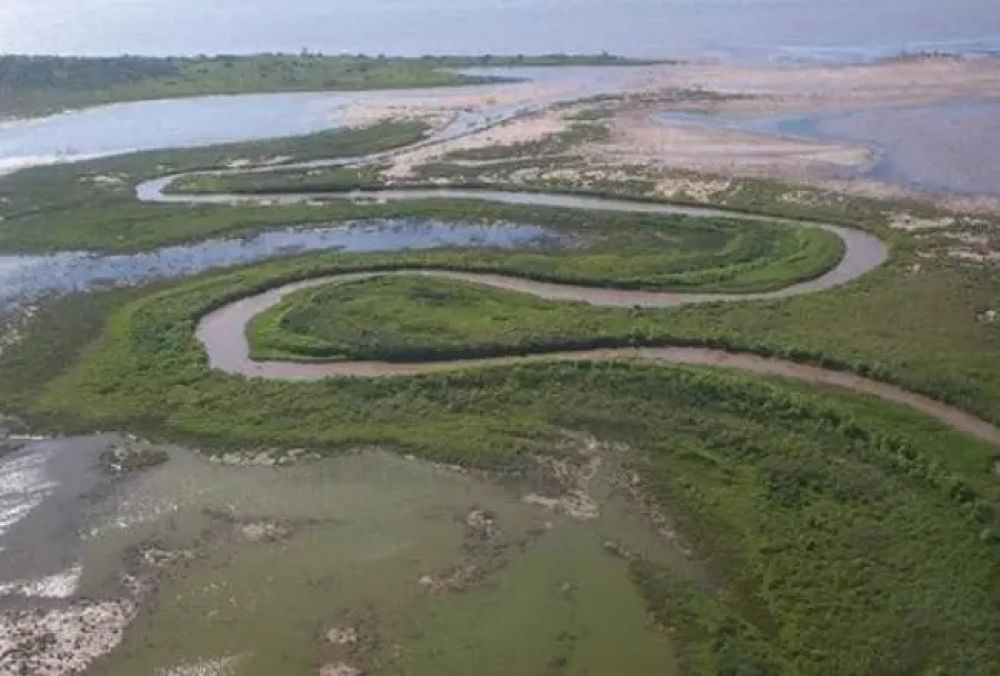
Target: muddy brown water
223, 332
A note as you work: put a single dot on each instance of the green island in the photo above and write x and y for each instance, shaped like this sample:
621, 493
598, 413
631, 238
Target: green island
830, 531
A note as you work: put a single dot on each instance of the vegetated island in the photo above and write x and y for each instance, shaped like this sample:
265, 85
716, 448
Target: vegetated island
37, 85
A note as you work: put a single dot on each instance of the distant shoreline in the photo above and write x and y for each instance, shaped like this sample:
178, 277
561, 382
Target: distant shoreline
32, 86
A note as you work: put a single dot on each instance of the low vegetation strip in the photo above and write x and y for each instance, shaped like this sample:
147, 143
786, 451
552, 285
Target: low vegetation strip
403, 319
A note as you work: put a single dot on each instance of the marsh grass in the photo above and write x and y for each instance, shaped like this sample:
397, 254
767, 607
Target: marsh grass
831, 524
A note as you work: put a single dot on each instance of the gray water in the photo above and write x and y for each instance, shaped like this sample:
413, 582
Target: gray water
949, 147
27, 278
809, 29
174, 123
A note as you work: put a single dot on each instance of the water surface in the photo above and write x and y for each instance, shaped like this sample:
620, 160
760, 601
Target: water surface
948, 147
27, 278
173, 123
353, 541
759, 29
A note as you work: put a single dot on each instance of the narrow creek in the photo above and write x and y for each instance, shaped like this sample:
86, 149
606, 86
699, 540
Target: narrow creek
223, 333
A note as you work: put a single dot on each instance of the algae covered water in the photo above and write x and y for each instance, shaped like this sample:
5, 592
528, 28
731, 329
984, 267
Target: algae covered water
367, 561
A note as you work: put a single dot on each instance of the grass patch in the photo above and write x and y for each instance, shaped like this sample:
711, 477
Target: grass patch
411, 319
327, 179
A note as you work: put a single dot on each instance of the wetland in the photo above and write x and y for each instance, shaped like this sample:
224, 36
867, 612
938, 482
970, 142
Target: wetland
396, 424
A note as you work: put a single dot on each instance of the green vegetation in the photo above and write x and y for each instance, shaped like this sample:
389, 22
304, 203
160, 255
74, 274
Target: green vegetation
326, 179
411, 319
831, 525
713, 639
771, 502
33, 85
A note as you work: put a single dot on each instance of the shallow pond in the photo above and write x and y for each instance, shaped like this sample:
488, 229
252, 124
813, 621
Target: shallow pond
949, 147
25, 278
417, 568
